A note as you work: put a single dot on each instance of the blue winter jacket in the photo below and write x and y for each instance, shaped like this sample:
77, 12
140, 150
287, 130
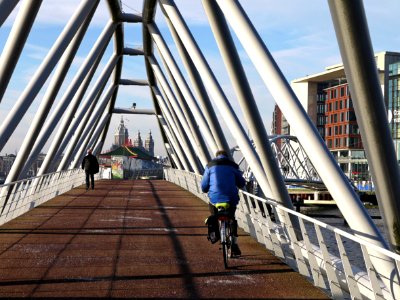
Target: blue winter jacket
221, 180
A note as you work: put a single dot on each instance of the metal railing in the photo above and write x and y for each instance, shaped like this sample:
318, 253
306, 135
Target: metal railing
18, 197
334, 260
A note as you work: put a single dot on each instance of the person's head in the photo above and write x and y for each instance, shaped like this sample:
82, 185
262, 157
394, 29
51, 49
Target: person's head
221, 152
89, 151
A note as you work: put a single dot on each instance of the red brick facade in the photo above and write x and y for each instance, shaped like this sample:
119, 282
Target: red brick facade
341, 129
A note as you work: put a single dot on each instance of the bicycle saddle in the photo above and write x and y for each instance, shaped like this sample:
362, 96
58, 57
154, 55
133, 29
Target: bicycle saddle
222, 205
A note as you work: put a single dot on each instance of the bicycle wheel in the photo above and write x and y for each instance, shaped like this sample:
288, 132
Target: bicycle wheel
225, 243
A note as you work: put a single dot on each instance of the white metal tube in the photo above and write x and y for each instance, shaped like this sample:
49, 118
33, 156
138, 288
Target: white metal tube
334, 179
337, 183
177, 141
96, 134
16, 41
132, 111
91, 126
170, 150
39, 78
217, 94
247, 102
202, 95
46, 103
79, 83
169, 121
201, 149
181, 118
194, 107
76, 128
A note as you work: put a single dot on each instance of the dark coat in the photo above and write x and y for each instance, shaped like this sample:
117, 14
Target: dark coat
221, 180
90, 164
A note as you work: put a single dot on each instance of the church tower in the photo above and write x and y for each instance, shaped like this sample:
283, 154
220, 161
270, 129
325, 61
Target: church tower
138, 141
121, 136
149, 144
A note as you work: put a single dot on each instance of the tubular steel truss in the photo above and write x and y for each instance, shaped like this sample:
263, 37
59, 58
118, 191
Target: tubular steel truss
293, 162
79, 118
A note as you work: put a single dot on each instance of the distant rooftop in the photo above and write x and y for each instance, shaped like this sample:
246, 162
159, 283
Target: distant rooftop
337, 71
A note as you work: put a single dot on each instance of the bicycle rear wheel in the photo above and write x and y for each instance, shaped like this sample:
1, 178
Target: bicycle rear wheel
226, 245
225, 254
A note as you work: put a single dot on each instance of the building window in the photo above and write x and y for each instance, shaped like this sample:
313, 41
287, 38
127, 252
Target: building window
351, 116
353, 129
337, 142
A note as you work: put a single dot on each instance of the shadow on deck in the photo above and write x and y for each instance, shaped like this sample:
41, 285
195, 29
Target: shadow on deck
136, 239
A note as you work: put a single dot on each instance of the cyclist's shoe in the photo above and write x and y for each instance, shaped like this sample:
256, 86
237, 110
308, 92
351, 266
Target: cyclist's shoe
235, 251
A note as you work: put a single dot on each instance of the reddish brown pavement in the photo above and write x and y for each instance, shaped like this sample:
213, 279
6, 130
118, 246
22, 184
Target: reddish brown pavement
134, 239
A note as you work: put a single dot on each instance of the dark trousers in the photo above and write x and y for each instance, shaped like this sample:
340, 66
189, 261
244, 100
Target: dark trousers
231, 213
91, 175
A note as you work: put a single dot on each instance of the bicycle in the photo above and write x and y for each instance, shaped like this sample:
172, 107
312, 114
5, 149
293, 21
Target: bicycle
225, 231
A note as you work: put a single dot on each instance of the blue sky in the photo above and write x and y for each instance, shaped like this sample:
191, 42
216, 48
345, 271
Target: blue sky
299, 34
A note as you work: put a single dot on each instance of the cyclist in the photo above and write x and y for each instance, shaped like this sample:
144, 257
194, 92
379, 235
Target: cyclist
221, 179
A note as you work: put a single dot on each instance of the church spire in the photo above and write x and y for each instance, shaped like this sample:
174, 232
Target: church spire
121, 135
149, 144
138, 141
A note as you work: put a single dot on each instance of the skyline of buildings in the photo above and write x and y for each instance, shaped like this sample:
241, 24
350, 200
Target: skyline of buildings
121, 138
326, 98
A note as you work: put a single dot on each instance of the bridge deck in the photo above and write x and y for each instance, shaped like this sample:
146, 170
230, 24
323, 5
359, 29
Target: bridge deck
133, 239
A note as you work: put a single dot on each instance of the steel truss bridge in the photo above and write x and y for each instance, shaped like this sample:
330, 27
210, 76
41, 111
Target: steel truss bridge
191, 132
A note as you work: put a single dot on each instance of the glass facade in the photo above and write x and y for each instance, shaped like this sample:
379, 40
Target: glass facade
393, 104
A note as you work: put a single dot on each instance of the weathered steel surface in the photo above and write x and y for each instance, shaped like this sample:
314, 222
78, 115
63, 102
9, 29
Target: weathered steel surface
134, 239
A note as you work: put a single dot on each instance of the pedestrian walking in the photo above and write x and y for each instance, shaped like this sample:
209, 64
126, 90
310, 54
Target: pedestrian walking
91, 167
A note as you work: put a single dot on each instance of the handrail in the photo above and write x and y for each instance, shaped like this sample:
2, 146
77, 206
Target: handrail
327, 255
329, 227
16, 198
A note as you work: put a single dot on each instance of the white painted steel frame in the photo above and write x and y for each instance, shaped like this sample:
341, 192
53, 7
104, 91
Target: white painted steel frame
95, 142
355, 45
169, 144
16, 41
336, 182
88, 130
247, 102
180, 120
202, 96
43, 72
198, 142
257, 219
69, 102
20, 163
183, 86
217, 93
76, 128
174, 137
